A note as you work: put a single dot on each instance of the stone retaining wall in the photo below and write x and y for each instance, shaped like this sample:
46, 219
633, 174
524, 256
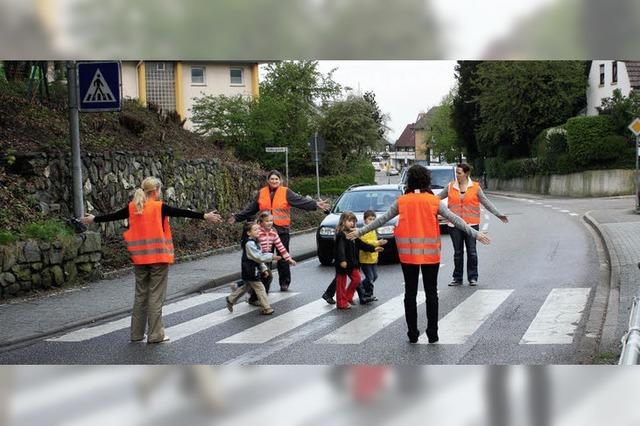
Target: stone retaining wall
33, 265
591, 183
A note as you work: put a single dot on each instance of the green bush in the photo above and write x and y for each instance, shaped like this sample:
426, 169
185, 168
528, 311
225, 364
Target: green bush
549, 148
335, 185
584, 139
6, 237
493, 167
612, 148
520, 167
46, 230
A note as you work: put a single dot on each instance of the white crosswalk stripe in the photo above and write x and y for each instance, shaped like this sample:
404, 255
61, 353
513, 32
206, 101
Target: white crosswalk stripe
365, 326
100, 330
459, 324
558, 317
281, 324
204, 322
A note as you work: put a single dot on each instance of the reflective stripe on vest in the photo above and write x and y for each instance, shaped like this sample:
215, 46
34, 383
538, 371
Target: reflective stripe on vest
469, 207
279, 207
418, 232
148, 238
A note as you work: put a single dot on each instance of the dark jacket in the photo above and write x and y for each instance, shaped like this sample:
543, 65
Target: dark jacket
252, 263
347, 250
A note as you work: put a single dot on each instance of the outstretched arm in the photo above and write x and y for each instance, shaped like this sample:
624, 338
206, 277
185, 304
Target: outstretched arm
489, 206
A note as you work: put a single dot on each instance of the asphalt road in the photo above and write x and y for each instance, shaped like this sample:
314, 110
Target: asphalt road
535, 291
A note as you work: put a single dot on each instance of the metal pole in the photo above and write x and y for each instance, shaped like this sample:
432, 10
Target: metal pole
74, 130
637, 176
286, 163
315, 143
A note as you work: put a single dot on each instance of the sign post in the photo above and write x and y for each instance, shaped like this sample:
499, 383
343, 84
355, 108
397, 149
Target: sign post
286, 157
74, 133
635, 129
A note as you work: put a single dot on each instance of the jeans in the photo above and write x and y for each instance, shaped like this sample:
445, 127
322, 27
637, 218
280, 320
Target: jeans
370, 275
430, 283
284, 273
460, 239
150, 293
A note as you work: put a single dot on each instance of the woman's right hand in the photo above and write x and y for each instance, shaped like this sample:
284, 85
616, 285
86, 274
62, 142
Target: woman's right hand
87, 219
231, 220
353, 234
483, 237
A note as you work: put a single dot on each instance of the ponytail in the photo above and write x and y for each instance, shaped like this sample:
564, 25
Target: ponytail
141, 195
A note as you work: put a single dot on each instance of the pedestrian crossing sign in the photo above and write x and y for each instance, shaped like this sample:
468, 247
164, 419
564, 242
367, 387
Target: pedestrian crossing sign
99, 86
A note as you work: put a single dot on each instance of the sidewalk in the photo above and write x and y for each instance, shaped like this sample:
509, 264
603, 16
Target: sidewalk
619, 230
32, 319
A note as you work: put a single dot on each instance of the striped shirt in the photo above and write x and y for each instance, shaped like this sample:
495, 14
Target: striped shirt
267, 239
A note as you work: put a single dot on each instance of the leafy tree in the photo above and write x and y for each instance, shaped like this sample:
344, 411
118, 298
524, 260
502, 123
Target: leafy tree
518, 99
465, 112
222, 118
380, 118
441, 133
350, 130
622, 110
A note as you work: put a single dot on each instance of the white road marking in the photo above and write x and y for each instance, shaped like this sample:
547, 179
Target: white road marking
204, 322
100, 330
558, 317
459, 324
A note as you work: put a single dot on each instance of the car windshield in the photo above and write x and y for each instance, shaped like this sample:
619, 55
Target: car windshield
361, 201
440, 178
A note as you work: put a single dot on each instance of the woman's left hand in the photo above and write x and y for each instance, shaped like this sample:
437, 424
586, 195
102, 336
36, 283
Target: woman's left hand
504, 218
353, 234
213, 217
87, 220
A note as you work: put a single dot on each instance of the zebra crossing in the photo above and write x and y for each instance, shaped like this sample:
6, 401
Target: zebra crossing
555, 323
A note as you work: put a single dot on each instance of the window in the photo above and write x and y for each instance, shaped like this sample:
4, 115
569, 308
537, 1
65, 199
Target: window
160, 66
236, 76
197, 76
601, 74
614, 72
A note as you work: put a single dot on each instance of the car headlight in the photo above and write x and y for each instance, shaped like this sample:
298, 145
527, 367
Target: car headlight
386, 230
325, 231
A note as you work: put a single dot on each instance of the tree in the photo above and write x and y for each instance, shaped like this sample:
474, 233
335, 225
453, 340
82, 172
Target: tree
519, 99
442, 136
465, 113
380, 119
350, 130
622, 110
222, 118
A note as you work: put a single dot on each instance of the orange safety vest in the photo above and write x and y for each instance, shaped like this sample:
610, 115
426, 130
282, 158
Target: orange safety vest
418, 232
279, 207
469, 207
148, 238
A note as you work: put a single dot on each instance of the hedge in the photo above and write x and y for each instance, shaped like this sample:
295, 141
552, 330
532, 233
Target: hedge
585, 136
335, 185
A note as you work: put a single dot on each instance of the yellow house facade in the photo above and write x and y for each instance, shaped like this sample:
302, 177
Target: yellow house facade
174, 85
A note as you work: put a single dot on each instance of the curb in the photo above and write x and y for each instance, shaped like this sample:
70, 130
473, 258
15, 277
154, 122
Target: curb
195, 288
608, 339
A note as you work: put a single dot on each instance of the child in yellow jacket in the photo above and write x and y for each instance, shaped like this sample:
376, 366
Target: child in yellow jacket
368, 260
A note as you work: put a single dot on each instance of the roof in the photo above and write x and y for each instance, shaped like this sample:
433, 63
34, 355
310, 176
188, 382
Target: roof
424, 118
633, 70
407, 138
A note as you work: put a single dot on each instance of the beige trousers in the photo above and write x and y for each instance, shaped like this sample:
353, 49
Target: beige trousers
151, 291
258, 287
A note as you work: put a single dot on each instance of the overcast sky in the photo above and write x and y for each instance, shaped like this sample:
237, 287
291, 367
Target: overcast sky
402, 88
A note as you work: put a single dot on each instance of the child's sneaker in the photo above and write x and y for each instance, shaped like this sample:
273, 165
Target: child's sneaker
330, 300
267, 311
229, 304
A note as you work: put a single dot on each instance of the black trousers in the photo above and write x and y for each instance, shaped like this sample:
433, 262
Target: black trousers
430, 283
284, 273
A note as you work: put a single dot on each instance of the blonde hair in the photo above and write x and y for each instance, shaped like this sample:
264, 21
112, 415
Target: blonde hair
141, 195
263, 216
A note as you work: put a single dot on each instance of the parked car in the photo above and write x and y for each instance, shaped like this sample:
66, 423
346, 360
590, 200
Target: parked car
440, 178
358, 199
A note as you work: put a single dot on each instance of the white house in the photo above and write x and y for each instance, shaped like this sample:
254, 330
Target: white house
606, 76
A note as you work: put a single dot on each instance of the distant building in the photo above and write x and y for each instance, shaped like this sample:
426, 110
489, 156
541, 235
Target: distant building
422, 146
606, 76
404, 150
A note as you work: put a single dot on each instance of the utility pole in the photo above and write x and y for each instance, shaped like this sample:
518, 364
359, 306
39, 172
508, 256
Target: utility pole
74, 130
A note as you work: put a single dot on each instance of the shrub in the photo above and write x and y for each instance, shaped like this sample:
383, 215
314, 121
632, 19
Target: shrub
584, 138
6, 237
335, 185
46, 230
612, 148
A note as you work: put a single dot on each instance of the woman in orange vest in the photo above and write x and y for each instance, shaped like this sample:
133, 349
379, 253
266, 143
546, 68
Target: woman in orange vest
150, 246
418, 242
278, 200
464, 198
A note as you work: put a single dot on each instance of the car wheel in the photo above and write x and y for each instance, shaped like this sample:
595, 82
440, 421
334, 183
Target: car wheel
325, 259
